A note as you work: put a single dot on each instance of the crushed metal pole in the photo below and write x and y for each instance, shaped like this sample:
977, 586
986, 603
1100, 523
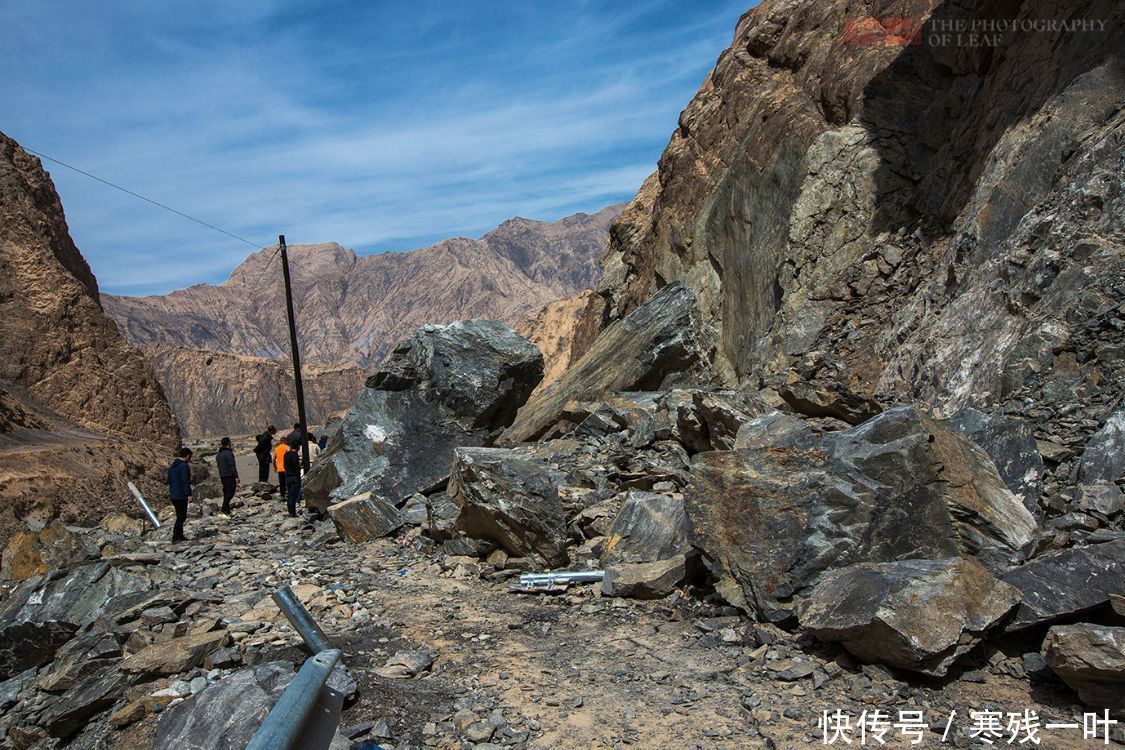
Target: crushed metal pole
557, 581
308, 712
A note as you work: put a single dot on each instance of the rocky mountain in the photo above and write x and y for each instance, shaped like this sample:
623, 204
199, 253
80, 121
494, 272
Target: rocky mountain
843, 421
214, 394
938, 221
352, 309
81, 411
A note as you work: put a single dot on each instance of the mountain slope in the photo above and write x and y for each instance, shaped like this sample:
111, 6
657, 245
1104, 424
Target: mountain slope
81, 411
351, 309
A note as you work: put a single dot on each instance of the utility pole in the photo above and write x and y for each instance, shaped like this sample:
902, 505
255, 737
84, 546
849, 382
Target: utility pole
296, 354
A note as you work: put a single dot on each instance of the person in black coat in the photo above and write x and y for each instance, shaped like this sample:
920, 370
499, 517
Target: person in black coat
228, 473
264, 451
292, 463
179, 491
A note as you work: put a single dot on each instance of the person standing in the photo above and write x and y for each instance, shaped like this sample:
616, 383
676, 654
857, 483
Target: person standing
228, 474
179, 491
314, 448
279, 465
296, 433
264, 451
323, 441
292, 462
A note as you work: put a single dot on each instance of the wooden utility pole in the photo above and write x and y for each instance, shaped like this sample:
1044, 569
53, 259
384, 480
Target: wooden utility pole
296, 354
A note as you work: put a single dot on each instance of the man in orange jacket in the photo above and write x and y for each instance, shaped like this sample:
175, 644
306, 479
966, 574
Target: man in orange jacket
279, 465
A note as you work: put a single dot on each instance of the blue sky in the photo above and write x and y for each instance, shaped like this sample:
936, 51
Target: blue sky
379, 125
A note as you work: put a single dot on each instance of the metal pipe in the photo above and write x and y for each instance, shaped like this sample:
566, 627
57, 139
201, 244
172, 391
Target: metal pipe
308, 711
532, 581
300, 619
141, 499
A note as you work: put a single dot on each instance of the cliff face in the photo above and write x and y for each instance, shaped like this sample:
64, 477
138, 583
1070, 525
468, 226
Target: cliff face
81, 411
214, 394
58, 344
940, 222
352, 310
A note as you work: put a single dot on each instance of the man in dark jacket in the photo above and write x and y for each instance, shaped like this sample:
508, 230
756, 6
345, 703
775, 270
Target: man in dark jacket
228, 473
264, 451
293, 476
295, 434
179, 491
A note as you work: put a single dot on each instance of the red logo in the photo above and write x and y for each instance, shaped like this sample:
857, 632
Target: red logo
882, 32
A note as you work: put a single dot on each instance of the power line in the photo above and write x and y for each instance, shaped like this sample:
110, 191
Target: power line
138, 195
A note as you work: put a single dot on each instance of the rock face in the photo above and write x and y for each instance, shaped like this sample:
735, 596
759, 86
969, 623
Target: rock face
658, 345
915, 614
791, 503
923, 222
1091, 659
353, 310
444, 387
81, 411
214, 394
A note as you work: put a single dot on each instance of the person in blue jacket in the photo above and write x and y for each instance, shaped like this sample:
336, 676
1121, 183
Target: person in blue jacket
179, 491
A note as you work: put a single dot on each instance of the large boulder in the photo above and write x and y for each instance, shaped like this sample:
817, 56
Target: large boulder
365, 517
226, 714
649, 527
791, 502
45, 612
444, 387
658, 345
1091, 660
512, 498
914, 614
1071, 582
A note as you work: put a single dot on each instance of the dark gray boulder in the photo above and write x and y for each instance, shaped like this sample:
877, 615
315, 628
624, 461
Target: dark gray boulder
45, 612
1067, 583
512, 498
791, 502
649, 527
444, 387
227, 713
1091, 660
914, 614
1010, 443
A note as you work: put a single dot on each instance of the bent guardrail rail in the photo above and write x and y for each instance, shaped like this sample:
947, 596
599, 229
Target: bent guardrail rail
308, 712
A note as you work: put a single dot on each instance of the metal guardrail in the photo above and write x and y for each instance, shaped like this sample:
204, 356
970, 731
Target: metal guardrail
308, 712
